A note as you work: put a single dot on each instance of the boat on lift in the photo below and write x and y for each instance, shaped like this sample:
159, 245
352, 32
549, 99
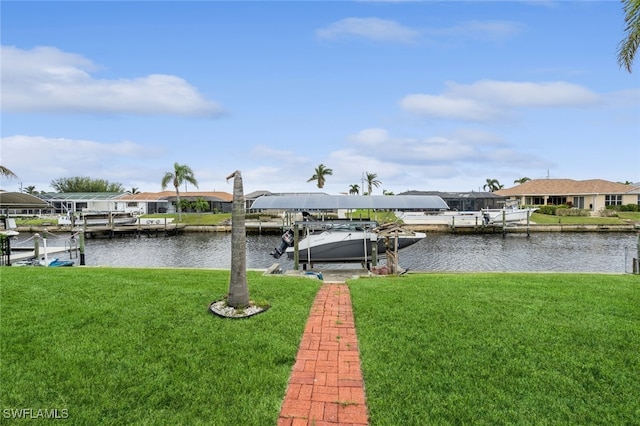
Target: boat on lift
342, 241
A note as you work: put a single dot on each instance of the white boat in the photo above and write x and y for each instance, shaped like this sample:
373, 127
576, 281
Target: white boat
341, 241
485, 217
97, 219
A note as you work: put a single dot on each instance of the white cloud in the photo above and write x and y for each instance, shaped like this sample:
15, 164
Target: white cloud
525, 94
446, 106
488, 100
45, 79
39, 160
369, 28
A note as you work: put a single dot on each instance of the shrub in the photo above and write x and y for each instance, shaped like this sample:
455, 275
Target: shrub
550, 210
630, 208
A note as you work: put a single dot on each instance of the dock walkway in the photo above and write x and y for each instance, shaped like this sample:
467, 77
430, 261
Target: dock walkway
326, 386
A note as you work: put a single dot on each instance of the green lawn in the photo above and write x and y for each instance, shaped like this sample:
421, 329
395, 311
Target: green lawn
138, 346
623, 217
496, 349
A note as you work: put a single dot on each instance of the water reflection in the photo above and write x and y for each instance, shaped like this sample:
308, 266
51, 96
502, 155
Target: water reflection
561, 252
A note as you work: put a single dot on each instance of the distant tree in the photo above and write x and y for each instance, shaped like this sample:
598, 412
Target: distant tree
385, 192
492, 185
85, 184
30, 190
629, 45
133, 191
320, 175
4, 172
372, 181
181, 173
522, 180
354, 189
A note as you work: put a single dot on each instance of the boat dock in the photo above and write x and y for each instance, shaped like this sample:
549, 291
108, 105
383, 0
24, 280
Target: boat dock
136, 230
19, 254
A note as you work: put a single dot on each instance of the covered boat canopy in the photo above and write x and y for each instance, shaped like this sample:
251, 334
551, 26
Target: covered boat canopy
335, 202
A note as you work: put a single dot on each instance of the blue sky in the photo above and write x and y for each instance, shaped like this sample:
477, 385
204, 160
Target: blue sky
434, 96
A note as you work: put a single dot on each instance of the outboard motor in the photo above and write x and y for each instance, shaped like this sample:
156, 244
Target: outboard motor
287, 241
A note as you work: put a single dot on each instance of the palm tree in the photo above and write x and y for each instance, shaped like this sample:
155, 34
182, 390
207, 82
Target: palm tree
629, 45
4, 172
492, 185
522, 180
178, 176
133, 191
371, 181
201, 205
354, 189
31, 189
238, 296
320, 175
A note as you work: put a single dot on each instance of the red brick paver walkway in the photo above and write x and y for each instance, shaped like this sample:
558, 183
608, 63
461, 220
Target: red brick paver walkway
326, 385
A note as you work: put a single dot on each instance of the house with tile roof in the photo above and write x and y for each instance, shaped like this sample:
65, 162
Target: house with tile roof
592, 194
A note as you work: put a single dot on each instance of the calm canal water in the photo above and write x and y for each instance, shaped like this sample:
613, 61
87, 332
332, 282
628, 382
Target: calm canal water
548, 251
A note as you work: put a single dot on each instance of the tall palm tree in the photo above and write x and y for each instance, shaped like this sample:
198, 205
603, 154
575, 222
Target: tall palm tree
238, 296
178, 176
492, 185
354, 189
371, 181
320, 174
629, 45
4, 172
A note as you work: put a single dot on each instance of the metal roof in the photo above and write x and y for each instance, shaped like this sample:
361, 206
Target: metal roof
80, 196
334, 202
16, 200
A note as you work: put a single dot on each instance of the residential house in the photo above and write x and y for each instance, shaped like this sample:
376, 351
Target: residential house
165, 202
592, 194
141, 203
72, 202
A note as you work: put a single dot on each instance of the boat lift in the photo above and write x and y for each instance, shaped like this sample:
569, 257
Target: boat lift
323, 202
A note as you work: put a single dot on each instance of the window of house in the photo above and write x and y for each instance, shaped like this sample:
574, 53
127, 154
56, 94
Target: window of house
613, 200
533, 201
578, 202
132, 204
556, 200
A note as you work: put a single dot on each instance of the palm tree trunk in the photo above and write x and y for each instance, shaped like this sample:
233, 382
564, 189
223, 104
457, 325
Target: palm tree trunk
178, 204
238, 296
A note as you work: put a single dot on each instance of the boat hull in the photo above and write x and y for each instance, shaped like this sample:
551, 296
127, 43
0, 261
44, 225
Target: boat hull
468, 218
352, 247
